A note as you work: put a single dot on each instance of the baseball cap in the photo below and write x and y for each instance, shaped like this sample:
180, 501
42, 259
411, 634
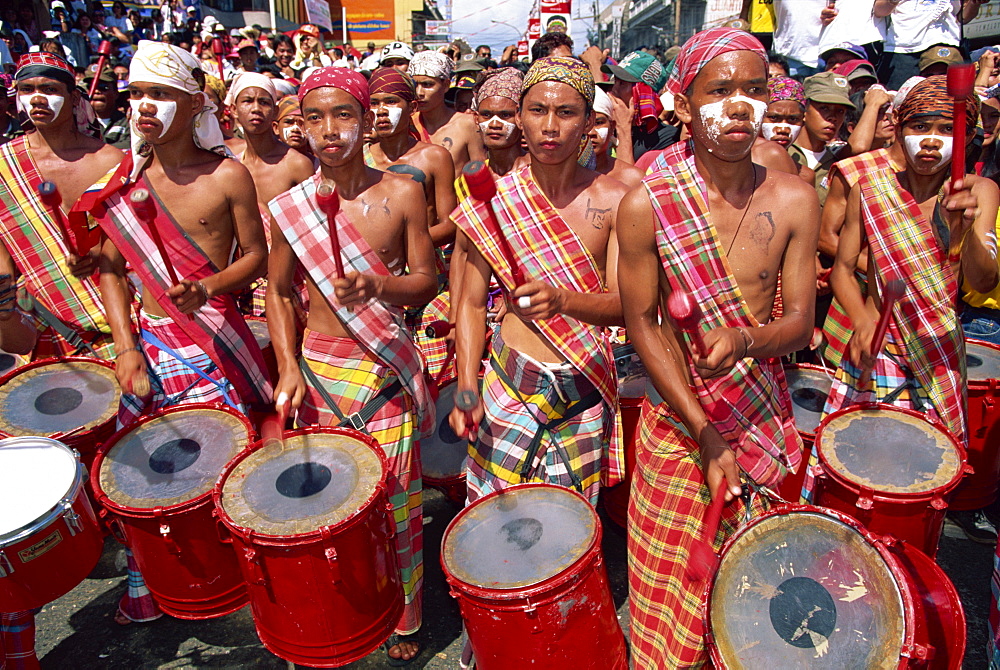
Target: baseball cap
468, 63
107, 75
856, 69
465, 80
851, 47
828, 87
191, 10
396, 50
638, 66
940, 54
246, 44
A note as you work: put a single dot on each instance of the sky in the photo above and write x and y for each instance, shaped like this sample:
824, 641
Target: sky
472, 20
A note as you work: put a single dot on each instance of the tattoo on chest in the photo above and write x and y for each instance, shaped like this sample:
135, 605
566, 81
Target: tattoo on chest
447, 143
367, 206
596, 215
763, 230
413, 172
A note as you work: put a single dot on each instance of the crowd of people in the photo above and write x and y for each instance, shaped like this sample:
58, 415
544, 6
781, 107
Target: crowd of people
780, 191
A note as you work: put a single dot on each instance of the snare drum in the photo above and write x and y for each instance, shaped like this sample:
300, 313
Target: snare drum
49, 537
443, 454
313, 530
73, 399
804, 587
632, 382
889, 468
154, 479
979, 489
258, 327
808, 386
526, 567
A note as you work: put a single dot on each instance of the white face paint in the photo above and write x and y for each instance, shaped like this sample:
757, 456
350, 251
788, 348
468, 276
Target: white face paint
768, 130
913, 142
602, 134
165, 111
506, 126
287, 132
715, 119
54, 102
395, 114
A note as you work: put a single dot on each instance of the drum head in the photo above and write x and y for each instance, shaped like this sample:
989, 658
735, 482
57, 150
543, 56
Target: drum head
519, 537
809, 390
805, 590
889, 451
35, 474
317, 480
258, 328
8, 362
443, 454
981, 361
58, 397
632, 376
172, 458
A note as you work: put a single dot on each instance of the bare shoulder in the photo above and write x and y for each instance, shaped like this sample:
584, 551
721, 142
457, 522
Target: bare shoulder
398, 189
607, 190
108, 157
789, 190
627, 174
297, 163
231, 173
434, 153
465, 122
983, 186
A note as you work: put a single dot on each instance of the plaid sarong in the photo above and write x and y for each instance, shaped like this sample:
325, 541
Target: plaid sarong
750, 406
547, 249
17, 641
352, 375
542, 395
993, 644
137, 602
378, 327
39, 251
438, 352
668, 504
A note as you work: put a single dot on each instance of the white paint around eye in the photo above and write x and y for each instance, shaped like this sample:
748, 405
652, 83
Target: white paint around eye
768, 130
508, 127
602, 134
912, 144
54, 102
165, 111
395, 114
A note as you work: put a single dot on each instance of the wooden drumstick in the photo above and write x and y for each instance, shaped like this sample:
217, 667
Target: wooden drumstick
702, 559
466, 401
961, 80
103, 53
438, 328
49, 194
217, 49
687, 315
329, 204
481, 186
272, 428
891, 292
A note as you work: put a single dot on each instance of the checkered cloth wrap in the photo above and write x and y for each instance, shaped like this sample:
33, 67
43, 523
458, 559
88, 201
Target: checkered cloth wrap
39, 251
438, 352
352, 375
137, 602
549, 250
377, 326
750, 406
509, 425
993, 646
837, 328
667, 507
217, 327
17, 641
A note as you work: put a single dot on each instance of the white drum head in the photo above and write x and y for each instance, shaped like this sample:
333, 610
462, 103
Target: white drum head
35, 474
981, 361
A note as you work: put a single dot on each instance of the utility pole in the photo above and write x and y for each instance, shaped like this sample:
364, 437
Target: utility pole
677, 22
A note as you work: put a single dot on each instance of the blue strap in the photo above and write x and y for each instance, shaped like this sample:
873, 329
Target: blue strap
159, 344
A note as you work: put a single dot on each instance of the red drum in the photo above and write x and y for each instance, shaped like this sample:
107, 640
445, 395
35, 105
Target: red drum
258, 327
526, 567
804, 587
443, 454
632, 382
979, 489
889, 468
155, 480
49, 537
808, 386
313, 530
72, 399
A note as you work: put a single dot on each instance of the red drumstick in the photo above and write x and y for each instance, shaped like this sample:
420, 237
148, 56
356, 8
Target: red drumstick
145, 209
482, 187
217, 49
51, 198
103, 53
329, 204
466, 401
702, 559
961, 79
438, 329
272, 428
891, 292
687, 315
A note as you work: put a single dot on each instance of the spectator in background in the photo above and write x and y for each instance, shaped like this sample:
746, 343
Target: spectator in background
483, 51
108, 104
552, 44
284, 52
26, 22
797, 27
249, 54
840, 53
9, 126
396, 55
637, 80
937, 59
852, 22
860, 75
308, 51
84, 25
817, 147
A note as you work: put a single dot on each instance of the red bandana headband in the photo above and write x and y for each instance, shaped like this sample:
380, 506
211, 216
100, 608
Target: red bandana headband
703, 47
337, 77
44, 64
391, 80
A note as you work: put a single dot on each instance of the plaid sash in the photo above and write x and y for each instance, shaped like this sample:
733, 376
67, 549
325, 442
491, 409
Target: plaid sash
218, 327
750, 406
546, 248
377, 327
925, 323
36, 244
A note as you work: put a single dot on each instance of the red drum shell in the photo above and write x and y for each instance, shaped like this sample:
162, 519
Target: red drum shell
327, 597
980, 489
790, 487
615, 499
59, 556
515, 628
181, 553
915, 517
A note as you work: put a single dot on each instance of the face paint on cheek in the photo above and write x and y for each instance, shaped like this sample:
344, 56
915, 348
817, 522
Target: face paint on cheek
395, 114
769, 130
54, 102
714, 115
912, 144
507, 126
164, 112
602, 134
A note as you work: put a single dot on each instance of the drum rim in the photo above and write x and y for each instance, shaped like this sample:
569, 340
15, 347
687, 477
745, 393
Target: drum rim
980, 383
148, 512
881, 544
812, 367
6, 377
61, 506
516, 592
947, 487
250, 535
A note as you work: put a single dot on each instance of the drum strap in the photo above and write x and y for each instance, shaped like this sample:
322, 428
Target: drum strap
159, 344
60, 326
359, 420
585, 403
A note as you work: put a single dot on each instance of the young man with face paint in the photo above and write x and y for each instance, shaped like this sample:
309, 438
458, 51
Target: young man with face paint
817, 148
707, 224
550, 390
602, 136
355, 343
288, 125
784, 116
436, 122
